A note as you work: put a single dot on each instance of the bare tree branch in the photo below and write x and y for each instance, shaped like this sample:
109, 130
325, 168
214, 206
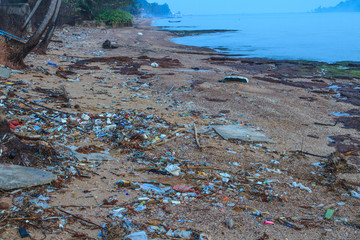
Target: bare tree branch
31, 15
46, 40
35, 39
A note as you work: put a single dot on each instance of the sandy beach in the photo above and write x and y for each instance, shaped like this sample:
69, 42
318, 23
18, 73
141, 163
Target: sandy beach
312, 119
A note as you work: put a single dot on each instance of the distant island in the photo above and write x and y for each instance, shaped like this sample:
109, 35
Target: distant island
345, 6
153, 9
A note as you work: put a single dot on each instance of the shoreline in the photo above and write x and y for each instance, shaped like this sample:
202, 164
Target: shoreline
183, 32
334, 69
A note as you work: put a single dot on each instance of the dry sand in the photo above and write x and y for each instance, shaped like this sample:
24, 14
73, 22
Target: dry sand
196, 96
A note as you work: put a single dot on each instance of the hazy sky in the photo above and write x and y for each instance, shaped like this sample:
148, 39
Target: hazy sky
244, 6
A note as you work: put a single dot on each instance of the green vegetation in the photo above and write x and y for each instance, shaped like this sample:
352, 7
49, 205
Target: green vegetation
110, 12
91, 9
115, 17
115, 12
340, 69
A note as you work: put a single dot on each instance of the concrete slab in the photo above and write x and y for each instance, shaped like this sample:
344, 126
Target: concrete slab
13, 177
243, 133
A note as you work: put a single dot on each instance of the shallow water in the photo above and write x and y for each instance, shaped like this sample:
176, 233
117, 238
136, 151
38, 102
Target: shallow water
328, 37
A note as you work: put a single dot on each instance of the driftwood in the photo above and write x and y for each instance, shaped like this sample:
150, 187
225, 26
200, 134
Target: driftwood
167, 137
80, 218
39, 105
196, 136
183, 168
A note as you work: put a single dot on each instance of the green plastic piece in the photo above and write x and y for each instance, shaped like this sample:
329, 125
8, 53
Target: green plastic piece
329, 213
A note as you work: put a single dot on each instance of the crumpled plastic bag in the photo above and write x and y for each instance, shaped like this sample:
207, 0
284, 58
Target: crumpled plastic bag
137, 236
151, 188
173, 169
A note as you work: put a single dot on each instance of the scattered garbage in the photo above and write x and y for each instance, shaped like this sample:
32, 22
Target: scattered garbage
235, 79
147, 177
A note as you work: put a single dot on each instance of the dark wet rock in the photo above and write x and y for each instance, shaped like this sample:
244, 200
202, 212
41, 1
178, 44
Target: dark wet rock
108, 45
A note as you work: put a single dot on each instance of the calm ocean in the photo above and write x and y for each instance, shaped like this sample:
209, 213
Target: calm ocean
328, 37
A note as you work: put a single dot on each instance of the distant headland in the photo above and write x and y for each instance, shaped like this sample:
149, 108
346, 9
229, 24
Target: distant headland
345, 6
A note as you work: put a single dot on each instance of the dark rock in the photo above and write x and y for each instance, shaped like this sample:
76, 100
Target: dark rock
108, 45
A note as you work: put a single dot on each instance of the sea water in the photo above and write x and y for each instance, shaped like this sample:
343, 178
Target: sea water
328, 37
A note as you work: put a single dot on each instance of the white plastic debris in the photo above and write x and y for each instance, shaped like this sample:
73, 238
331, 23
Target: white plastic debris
109, 128
235, 79
170, 233
143, 198
140, 208
140, 34
85, 117
355, 194
74, 80
225, 175
41, 202
117, 212
173, 169
182, 234
301, 186
155, 65
137, 236
151, 188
